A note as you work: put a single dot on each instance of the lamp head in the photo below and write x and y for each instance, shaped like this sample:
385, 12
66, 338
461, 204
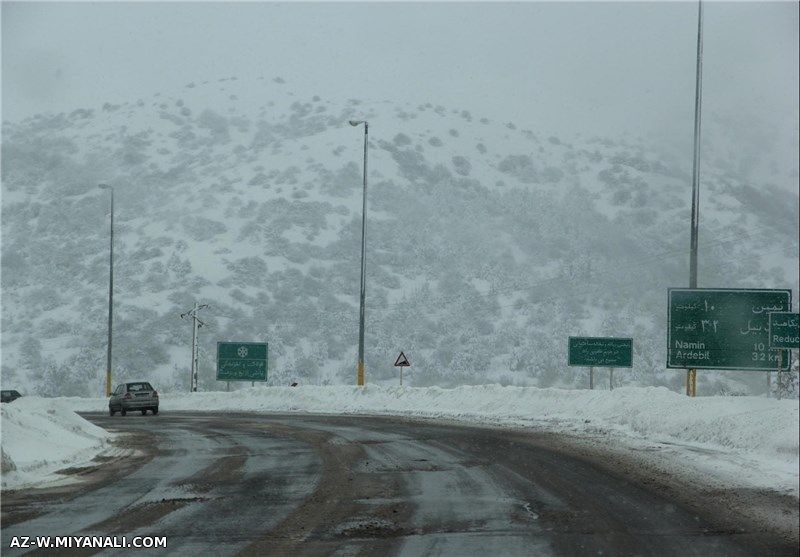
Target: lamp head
356, 122
105, 187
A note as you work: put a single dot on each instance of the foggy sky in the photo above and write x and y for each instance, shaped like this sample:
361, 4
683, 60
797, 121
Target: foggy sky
567, 66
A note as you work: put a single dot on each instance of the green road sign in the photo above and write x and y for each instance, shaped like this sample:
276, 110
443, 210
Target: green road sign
723, 328
242, 361
784, 331
600, 352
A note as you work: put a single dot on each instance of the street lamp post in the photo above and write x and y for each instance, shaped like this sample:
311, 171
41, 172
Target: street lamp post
110, 290
691, 374
363, 258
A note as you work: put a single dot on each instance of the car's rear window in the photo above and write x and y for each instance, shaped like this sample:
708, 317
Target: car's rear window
136, 387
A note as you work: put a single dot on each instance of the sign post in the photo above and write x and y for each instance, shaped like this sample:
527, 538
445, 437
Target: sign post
769, 379
242, 361
594, 352
784, 333
402, 362
722, 328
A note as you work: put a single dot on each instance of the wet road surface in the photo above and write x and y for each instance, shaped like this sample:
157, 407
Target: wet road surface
246, 484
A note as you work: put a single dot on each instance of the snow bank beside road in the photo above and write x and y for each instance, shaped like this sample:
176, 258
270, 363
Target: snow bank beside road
752, 424
761, 426
726, 442
40, 436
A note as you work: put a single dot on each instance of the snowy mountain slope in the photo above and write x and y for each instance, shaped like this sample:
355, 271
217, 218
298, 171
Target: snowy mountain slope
488, 242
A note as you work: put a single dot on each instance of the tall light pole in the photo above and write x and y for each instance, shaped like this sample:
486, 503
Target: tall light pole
691, 375
110, 290
363, 257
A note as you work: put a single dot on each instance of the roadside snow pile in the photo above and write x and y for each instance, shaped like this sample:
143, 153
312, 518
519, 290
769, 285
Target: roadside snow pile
39, 436
713, 442
748, 442
763, 426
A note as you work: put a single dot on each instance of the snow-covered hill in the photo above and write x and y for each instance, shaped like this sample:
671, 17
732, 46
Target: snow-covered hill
489, 242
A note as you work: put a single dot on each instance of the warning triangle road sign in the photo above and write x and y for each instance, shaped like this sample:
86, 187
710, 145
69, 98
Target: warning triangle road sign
402, 361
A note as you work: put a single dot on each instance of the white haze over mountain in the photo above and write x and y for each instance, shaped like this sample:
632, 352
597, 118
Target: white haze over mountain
561, 67
501, 219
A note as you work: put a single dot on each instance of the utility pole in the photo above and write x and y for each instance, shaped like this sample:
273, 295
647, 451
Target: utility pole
196, 324
691, 374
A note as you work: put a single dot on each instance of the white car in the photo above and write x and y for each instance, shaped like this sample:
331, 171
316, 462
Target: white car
133, 396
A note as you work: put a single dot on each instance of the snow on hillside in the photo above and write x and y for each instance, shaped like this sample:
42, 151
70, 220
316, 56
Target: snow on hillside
489, 242
42, 436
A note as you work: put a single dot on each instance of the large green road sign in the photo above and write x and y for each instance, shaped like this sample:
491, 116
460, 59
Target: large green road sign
241, 361
723, 328
784, 331
600, 352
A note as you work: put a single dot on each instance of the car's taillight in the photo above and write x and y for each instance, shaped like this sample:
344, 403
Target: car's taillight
155, 394
127, 396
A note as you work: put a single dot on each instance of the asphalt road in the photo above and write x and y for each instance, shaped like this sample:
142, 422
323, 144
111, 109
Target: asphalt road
245, 484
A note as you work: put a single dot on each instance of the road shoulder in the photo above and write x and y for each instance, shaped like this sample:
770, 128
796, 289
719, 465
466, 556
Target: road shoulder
129, 451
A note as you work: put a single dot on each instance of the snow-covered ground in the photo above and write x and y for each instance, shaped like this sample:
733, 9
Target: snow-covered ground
41, 436
748, 442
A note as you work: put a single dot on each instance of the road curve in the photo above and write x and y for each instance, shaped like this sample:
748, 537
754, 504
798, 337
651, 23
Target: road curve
248, 484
